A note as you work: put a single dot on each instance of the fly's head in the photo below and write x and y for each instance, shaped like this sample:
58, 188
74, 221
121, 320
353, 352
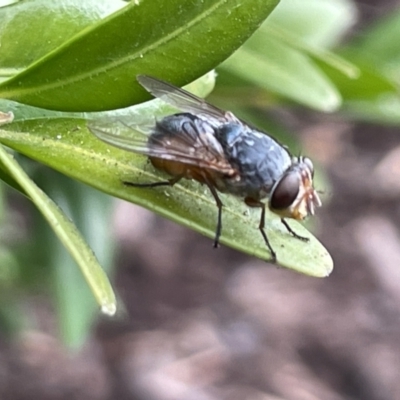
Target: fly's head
293, 195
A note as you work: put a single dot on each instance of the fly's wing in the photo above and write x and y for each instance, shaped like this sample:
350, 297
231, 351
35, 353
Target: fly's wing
196, 146
185, 101
125, 132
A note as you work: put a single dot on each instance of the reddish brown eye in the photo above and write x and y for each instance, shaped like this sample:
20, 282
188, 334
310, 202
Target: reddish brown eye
286, 191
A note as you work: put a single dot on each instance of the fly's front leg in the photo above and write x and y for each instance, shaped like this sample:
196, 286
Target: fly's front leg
255, 203
292, 232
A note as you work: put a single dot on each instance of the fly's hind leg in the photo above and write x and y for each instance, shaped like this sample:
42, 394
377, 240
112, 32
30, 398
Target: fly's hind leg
219, 205
292, 232
169, 182
255, 203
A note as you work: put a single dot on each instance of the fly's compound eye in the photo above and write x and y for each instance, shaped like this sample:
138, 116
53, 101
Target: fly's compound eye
309, 165
285, 192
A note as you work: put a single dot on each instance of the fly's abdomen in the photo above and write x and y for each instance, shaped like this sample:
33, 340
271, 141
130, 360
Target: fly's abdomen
173, 127
184, 145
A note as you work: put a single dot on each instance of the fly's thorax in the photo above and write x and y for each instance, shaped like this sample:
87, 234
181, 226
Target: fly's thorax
293, 195
258, 159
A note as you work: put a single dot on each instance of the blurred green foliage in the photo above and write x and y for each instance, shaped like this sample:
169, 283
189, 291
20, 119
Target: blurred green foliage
87, 59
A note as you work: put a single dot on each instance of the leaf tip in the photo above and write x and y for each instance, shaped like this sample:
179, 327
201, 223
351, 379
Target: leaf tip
327, 268
332, 102
109, 308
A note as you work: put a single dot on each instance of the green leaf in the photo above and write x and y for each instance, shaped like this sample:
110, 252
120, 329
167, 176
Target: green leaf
370, 84
382, 110
92, 212
318, 52
4, 3
6, 118
320, 24
23, 39
279, 68
6, 178
380, 45
66, 145
66, 232
281, 56
96, 69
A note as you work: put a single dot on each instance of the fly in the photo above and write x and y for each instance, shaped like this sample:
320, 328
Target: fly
217, 149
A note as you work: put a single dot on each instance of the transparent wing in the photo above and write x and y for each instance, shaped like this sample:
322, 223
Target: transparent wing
121, 132
197, 146
184, 100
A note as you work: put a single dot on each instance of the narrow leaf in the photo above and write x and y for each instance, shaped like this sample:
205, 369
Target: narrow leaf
326, 56
92, 212
66, 145
318, 23
277, 67
66, 232
380, 45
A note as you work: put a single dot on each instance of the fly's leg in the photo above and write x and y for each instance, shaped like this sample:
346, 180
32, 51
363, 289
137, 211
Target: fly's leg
219, 205
292, 232
169, 182
255, 203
